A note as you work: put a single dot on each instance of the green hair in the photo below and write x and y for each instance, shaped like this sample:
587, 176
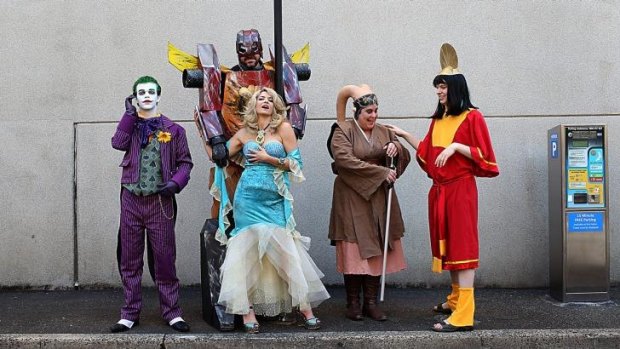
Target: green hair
143, 80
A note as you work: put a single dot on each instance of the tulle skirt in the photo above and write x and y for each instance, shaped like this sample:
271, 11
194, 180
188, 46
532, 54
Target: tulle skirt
270, 269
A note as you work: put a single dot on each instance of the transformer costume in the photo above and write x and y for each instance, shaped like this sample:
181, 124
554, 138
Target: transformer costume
223, 92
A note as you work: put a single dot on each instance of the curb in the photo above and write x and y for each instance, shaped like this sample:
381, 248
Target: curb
564, 338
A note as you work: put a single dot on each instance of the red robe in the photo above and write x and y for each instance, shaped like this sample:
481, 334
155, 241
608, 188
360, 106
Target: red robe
453, 198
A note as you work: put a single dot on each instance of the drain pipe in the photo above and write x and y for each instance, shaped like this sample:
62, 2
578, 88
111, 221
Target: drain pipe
76, 282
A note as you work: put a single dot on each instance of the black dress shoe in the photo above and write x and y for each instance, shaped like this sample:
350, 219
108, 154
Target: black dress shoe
116, 328
180, 326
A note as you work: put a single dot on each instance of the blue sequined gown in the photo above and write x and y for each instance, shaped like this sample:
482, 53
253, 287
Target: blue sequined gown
267, 263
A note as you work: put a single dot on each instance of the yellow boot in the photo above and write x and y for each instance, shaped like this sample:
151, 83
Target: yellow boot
453, 297
451, 301
462, 318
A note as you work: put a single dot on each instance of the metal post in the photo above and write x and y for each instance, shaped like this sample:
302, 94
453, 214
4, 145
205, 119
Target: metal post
277, 20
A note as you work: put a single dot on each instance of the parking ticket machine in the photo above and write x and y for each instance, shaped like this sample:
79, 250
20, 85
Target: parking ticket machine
578, 213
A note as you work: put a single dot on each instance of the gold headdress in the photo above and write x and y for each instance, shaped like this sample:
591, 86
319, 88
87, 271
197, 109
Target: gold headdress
449, 60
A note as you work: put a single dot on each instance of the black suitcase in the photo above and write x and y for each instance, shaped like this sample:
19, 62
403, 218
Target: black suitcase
212, 255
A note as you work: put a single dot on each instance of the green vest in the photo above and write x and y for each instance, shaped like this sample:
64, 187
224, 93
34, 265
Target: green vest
150, 170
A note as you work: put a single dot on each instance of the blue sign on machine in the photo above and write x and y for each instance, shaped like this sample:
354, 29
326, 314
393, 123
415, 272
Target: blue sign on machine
585, 222
554, 145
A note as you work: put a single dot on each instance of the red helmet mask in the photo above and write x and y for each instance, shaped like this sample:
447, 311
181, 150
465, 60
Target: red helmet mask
249, 49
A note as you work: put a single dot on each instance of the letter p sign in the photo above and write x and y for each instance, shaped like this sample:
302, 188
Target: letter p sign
554, 149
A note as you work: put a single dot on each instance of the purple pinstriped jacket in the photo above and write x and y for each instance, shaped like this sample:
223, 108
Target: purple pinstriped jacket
176, 161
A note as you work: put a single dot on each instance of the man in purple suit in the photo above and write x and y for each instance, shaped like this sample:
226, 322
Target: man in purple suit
156, 166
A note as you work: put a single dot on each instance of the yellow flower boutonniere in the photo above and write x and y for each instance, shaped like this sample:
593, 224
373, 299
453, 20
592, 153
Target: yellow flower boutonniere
164, 137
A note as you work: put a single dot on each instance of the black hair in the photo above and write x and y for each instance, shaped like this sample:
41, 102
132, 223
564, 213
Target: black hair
144, 80
458, 95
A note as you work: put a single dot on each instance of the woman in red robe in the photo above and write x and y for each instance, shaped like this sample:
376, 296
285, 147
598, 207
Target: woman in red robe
456, 149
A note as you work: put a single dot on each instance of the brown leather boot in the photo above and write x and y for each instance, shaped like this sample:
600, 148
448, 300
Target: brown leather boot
353, 285
371, 290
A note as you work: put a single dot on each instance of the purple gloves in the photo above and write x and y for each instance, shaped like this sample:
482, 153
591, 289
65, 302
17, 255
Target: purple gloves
129, 107
128, 120
168, 189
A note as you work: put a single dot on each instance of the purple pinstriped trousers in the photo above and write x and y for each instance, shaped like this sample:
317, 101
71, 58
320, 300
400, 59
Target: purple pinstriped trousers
140, 213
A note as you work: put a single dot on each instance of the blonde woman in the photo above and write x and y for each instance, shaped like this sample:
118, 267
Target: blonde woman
267, 269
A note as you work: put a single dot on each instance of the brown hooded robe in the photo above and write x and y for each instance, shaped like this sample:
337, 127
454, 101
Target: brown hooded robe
359, 202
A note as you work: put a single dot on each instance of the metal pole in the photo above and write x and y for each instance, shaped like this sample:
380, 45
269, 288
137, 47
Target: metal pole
76, 251
277, 61
277, 20
387, 234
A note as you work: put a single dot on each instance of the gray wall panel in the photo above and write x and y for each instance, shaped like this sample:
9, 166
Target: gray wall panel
65, 63
36, 204
550, 58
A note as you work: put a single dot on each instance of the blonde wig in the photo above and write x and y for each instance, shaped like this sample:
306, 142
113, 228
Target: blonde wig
250, 118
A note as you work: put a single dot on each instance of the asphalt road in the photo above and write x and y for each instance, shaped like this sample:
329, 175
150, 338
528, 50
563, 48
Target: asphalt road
94, 311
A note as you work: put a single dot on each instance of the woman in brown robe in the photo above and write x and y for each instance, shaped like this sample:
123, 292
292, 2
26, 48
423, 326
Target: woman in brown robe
362, 151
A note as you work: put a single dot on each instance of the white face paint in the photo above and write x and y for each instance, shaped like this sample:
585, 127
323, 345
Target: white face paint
147, 97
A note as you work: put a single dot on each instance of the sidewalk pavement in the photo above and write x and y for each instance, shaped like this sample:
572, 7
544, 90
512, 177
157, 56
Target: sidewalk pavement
506, 318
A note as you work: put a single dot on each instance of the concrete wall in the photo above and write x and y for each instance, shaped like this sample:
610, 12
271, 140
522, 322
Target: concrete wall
66, 68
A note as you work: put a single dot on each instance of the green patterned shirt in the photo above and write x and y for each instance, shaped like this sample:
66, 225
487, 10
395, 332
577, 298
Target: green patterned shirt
150, 170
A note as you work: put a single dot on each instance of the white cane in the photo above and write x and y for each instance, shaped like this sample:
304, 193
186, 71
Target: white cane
387, 233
